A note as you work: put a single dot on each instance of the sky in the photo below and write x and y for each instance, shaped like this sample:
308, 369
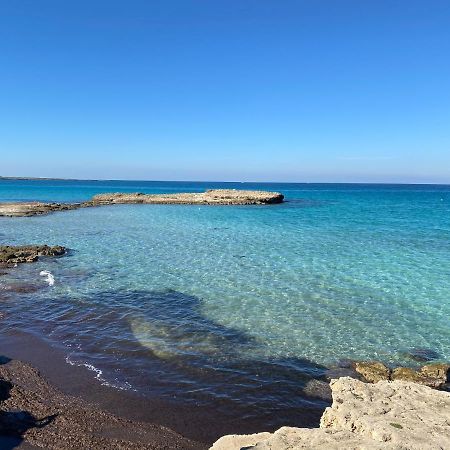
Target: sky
226, 90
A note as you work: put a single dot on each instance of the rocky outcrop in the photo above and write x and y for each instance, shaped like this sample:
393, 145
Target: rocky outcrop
210, 197
26, 209
434, 375
11, 255
372, 371
386, 415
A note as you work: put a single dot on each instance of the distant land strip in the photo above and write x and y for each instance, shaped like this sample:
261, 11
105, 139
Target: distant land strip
54, 179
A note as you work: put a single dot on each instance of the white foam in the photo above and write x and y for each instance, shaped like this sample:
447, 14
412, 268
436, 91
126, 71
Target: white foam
98, 375
50, 278
98, 372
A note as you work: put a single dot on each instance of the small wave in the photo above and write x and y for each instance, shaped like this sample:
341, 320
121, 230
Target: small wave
125, 386
50, 278
92, 368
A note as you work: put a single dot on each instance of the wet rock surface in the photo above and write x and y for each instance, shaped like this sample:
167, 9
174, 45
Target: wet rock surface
27, 209
11, 255
434, 375
34, 413
210, 197
372, 371
386, 415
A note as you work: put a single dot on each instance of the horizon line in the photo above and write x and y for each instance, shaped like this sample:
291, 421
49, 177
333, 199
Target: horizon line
222, 181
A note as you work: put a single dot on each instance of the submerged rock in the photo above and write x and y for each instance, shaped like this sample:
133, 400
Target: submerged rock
21, 288
26, 209
11, 255
318, 389
422, 354
385, 415
343, 368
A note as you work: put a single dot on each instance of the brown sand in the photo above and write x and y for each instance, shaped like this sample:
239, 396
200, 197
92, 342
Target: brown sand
196, 423
35, 413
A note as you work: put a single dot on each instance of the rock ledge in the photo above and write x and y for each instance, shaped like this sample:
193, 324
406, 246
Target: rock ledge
386, 415
210, 197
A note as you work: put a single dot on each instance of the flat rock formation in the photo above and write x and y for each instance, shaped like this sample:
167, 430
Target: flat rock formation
396, 415
210, 197
11, 255
26, 209
33, 414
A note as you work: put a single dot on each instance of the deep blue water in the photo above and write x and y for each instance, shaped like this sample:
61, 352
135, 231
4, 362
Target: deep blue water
232, 306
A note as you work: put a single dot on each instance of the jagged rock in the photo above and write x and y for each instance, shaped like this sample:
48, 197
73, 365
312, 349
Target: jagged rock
386, 415
10, 255
372, 371
432, 375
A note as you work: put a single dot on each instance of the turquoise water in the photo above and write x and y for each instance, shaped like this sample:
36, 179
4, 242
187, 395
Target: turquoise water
229, 306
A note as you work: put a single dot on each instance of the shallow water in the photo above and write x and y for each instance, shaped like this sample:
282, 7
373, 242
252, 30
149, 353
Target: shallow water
234, 307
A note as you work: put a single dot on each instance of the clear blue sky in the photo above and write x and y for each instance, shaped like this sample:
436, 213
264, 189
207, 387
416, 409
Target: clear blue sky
311, 90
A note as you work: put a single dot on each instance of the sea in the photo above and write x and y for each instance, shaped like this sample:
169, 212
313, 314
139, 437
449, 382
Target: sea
235, 308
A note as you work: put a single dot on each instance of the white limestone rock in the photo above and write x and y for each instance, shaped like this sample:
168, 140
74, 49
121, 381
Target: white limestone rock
396, 415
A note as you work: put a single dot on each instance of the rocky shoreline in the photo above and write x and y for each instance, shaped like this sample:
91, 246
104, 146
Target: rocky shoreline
209, 197
385, 415
381, 415
375, 407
